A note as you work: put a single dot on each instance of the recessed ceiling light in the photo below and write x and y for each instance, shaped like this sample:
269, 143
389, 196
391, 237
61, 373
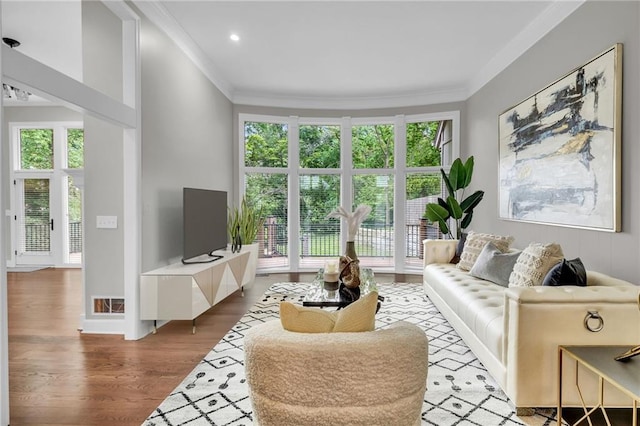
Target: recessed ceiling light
234, 37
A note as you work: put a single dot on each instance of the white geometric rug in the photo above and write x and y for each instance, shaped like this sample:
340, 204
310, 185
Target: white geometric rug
459, 389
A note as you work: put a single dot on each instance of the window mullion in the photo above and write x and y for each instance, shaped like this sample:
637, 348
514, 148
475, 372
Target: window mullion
294, 192
346, 164
58, 196
399, 195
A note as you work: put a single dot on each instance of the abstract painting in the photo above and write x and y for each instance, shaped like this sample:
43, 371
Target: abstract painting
560, 150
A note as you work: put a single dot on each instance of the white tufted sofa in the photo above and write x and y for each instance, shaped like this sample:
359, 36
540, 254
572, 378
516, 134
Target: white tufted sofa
515, 332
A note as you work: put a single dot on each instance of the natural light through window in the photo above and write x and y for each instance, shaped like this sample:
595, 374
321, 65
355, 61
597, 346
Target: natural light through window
300, 169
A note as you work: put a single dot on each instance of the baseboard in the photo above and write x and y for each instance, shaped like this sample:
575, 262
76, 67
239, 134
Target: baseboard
102, 326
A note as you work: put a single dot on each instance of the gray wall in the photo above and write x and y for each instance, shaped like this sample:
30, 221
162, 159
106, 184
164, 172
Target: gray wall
186, 141
592, 29
22, 114
103, 163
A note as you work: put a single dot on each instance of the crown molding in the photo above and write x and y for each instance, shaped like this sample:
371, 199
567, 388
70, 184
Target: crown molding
450, 94
553, 15
161, 17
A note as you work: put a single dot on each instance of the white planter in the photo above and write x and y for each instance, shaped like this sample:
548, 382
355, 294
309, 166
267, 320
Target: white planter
252, 264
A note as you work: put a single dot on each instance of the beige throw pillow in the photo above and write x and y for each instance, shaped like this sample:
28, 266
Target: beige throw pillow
534, 263
358, 316
305, 320
475, 243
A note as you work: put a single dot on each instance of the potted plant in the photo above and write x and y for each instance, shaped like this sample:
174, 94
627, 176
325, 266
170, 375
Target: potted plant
456, 207
243, 225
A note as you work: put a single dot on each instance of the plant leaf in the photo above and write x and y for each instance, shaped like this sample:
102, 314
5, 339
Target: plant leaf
457, 175
466, 220
436, 213
447, 182
444, 228
468, 171
454, 208
469, 203
444, 205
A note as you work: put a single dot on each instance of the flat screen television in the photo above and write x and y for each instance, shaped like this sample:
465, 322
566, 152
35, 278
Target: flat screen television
204, 217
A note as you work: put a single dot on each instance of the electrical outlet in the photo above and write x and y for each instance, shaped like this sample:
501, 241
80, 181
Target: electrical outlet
107, 222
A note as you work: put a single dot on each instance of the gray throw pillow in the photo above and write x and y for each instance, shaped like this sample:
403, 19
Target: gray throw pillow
494, 265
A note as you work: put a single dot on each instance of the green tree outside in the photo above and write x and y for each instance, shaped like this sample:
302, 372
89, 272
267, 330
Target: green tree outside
266, 145
36, 149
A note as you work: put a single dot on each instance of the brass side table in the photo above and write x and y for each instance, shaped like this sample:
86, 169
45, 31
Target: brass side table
625, 376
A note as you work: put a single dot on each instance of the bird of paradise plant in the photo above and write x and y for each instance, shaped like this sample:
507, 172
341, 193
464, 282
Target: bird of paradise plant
456, 207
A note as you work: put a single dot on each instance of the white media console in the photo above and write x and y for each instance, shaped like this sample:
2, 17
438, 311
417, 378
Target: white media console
183, 292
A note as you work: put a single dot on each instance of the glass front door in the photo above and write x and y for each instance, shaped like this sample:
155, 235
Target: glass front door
34, 221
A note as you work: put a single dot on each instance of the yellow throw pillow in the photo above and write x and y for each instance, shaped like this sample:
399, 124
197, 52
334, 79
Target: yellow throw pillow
305, 320
359, 315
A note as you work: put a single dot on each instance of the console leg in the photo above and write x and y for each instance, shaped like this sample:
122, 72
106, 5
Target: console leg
193, 330
242, 290
155, 328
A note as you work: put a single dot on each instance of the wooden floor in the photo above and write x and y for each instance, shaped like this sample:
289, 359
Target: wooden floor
59, 376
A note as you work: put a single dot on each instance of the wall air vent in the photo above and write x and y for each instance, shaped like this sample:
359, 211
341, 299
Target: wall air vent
108, 305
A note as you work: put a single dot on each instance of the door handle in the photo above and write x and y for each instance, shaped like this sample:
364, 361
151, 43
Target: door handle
51, 223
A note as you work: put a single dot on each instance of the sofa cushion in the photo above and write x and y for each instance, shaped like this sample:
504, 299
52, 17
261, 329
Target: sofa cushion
477, 302
533, 264
474, 244
494, 265
567, 272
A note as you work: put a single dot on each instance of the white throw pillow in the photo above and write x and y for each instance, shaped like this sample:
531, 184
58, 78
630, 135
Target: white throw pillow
534, 263
475, 243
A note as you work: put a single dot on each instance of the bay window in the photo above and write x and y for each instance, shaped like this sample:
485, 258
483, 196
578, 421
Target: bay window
300, 169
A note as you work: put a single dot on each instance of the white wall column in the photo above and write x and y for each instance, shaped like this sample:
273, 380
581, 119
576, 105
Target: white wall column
4, 317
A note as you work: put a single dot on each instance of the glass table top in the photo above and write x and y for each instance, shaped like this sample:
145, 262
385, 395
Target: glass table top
318, 295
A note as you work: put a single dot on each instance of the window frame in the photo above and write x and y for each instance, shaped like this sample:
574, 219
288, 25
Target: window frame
58, 179
346, 170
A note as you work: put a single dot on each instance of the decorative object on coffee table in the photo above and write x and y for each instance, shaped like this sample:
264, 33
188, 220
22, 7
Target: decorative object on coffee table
320, 296
353, 221
349, 279
627, 355
331, 275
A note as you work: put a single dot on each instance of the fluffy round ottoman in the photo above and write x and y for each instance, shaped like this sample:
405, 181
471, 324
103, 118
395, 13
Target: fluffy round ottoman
367, 378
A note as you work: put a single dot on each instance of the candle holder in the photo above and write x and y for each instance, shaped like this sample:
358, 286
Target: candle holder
331, 275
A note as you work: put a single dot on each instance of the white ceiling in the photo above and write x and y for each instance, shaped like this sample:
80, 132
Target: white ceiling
48, 31
354, 53
324, 54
